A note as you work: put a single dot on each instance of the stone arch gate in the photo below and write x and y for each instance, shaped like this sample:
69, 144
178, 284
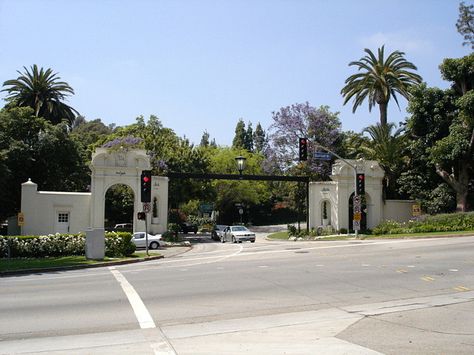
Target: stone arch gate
74, 212
125, 167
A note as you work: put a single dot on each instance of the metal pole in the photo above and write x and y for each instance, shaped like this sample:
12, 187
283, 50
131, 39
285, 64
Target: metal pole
307, 207
146, 234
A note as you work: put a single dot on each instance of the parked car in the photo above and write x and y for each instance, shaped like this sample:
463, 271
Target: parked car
154, 241
187, 227
237, 234
217, 231
123, 227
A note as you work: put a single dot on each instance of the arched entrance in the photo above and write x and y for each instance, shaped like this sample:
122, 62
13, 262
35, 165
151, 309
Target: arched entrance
110, 168
119, 207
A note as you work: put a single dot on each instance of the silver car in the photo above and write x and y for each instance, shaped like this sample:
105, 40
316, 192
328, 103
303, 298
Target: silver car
218, 231
237, 234
154, 241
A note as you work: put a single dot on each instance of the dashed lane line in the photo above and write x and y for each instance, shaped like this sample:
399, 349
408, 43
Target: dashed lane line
427, 278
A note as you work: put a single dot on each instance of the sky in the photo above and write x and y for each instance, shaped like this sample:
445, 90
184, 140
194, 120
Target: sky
201, 65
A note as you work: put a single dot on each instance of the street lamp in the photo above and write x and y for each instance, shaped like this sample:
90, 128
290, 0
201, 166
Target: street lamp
240, 163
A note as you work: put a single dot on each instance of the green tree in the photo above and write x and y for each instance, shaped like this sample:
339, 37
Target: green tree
453, 154
205, 139
259, 138
31, 147
42, 91
431, 113
249, 138
465, 24
240, 137
229, 192
380, 79
387, 148
444, 121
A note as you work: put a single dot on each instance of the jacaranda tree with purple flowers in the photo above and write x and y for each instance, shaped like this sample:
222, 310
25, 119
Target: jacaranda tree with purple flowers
290, 123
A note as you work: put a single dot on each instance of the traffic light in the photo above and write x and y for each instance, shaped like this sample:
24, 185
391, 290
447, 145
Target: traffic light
360, 184
145, 182
141, 215
303, 149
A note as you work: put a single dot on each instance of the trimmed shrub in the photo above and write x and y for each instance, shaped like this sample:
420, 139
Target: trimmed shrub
119, 244
54, 245
450, 222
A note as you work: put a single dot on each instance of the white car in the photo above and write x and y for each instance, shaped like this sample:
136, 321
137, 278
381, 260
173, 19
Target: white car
237, 234
154, 241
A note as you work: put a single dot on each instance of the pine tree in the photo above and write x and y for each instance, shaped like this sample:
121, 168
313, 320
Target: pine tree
249, 138
259, 138
240, 135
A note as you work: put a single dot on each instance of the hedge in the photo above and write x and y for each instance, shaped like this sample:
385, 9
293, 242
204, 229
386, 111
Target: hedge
54, 245
451, 222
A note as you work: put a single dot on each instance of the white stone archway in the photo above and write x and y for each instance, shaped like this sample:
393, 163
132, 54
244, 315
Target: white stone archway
111, 168
86, 210
338, 192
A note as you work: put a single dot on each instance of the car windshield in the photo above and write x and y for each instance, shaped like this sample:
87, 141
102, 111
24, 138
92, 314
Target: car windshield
239, 229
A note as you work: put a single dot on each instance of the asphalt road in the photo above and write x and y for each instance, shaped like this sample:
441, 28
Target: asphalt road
345, 297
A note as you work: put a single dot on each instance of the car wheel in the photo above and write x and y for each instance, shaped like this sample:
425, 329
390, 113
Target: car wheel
195, 232
233, 240
222, 240
154, 245
252, 241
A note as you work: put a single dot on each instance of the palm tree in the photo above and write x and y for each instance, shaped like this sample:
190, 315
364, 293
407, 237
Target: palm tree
379, 80
387, 149
42, 91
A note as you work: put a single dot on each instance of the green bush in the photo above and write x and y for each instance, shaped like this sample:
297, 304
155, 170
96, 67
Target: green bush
54, 245
169, 236
119, 244
292, 230
450, 222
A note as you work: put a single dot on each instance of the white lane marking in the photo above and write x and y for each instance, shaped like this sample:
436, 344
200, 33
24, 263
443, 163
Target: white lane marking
411, 266
141, 312
453, 270
263, 266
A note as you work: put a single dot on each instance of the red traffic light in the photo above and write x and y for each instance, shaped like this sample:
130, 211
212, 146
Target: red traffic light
360, 176
146, 179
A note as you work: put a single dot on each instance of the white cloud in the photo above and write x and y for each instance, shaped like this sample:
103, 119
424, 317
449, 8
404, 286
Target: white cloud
404, 41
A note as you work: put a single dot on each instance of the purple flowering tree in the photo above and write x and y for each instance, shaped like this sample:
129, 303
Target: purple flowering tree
128, 142
319, 125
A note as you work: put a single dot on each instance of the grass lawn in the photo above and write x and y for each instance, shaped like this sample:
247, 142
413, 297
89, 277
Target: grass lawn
41, 263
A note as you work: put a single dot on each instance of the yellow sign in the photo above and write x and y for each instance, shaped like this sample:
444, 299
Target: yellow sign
416, 210
21, 219
357, 216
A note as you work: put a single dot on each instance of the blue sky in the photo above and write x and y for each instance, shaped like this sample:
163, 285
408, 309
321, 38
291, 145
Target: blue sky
201, 65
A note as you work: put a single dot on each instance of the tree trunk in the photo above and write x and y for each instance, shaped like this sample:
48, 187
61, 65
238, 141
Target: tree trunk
461, 200
459, 183
383, 114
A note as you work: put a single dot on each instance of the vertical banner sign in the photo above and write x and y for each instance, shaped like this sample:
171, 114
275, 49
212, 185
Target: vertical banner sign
357, 213
21, 219
416, 210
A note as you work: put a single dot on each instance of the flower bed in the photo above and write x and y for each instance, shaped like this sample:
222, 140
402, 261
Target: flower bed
53, 245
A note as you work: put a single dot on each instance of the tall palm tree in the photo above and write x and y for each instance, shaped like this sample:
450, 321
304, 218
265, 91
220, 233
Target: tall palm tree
42, 91
379, 80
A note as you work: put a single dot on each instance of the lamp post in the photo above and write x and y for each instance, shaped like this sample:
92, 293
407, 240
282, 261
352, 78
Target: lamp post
240, 163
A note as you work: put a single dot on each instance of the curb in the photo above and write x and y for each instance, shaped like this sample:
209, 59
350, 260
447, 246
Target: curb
77, 267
